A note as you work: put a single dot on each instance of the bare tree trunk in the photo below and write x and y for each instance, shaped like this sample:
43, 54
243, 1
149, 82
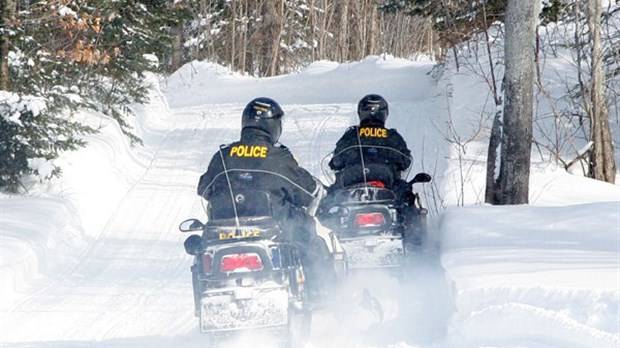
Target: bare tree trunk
326, 25
512, 184
343, 30
312, 24
323, 29
357, 29
371, 49
278, 28
602, 155
7, 11
244, 35
233, 33
176, 60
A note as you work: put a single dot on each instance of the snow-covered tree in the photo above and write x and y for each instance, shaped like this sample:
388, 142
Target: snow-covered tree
69, 55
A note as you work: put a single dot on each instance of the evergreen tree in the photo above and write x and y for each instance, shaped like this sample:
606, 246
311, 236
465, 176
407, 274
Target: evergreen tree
83, 54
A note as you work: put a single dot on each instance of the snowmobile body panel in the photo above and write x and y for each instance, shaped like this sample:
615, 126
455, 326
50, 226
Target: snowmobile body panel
368, 225
247, 279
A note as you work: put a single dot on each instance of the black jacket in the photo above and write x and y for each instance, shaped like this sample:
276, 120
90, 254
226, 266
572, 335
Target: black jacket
253, 163
385, 155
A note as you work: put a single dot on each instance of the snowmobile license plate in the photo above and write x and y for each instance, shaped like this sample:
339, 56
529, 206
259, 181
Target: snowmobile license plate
240, 235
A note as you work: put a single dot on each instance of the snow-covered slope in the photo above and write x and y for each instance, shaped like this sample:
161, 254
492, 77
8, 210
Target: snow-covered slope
94, 259
545, 275
535, 275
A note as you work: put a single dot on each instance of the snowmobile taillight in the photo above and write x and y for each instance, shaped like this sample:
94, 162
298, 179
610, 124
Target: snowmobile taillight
249, 262
376, 183
369, 219
206, 263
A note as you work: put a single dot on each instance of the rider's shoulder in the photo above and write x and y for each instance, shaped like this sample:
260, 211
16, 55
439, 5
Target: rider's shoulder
281, 147
224, 148
281, 152
229, 145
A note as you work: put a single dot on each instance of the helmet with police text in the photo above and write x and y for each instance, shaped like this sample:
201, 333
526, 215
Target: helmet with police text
373, 109
264, 114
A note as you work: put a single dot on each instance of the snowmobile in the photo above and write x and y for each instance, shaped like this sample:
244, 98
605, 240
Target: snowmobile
245, 276
368, 221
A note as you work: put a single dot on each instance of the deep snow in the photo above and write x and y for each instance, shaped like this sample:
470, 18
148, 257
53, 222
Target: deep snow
95, 260
542, 275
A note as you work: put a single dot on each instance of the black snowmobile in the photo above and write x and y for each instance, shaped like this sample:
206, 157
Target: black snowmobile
245, 276
369, 222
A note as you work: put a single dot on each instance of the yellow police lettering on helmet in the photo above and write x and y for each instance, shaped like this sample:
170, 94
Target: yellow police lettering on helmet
373, 132
249, 151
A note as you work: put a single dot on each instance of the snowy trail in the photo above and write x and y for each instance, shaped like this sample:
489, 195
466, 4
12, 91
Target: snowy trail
132, 281
131, 288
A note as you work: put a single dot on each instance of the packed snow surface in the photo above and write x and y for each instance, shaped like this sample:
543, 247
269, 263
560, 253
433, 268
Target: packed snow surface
94, 259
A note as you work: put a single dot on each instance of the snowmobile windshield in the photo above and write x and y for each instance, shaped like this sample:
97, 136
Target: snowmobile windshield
329, 175
244, 193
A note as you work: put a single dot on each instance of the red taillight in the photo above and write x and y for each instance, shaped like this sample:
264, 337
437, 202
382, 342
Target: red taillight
206, 263
369, 219
376, 183
241, 263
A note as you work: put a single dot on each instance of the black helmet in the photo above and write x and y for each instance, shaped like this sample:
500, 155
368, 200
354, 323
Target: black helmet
264, 114
373, 109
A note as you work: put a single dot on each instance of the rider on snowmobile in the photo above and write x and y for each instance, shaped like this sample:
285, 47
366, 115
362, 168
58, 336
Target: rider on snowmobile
373, 155
370, 151
258, 162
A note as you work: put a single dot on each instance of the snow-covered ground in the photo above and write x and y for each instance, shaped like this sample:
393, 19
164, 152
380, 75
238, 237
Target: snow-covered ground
94, 259
534, 276
544, 275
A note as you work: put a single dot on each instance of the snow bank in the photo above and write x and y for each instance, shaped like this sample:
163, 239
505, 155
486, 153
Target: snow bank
549, 275
31, 229
200, 83
44, 233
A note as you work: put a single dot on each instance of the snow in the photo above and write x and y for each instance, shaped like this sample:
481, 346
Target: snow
544, 275
12, 104
94, 259
66, 11
42, 167
555, 273
200, 83
126, 280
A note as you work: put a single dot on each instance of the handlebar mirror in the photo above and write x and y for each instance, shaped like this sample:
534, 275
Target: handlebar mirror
421, 177
191, 225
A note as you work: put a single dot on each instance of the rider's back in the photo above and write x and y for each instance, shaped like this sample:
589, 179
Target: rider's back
255, 164
385, 155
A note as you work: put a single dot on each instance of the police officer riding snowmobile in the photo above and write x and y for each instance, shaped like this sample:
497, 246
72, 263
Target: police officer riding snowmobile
259, 257
374, 212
